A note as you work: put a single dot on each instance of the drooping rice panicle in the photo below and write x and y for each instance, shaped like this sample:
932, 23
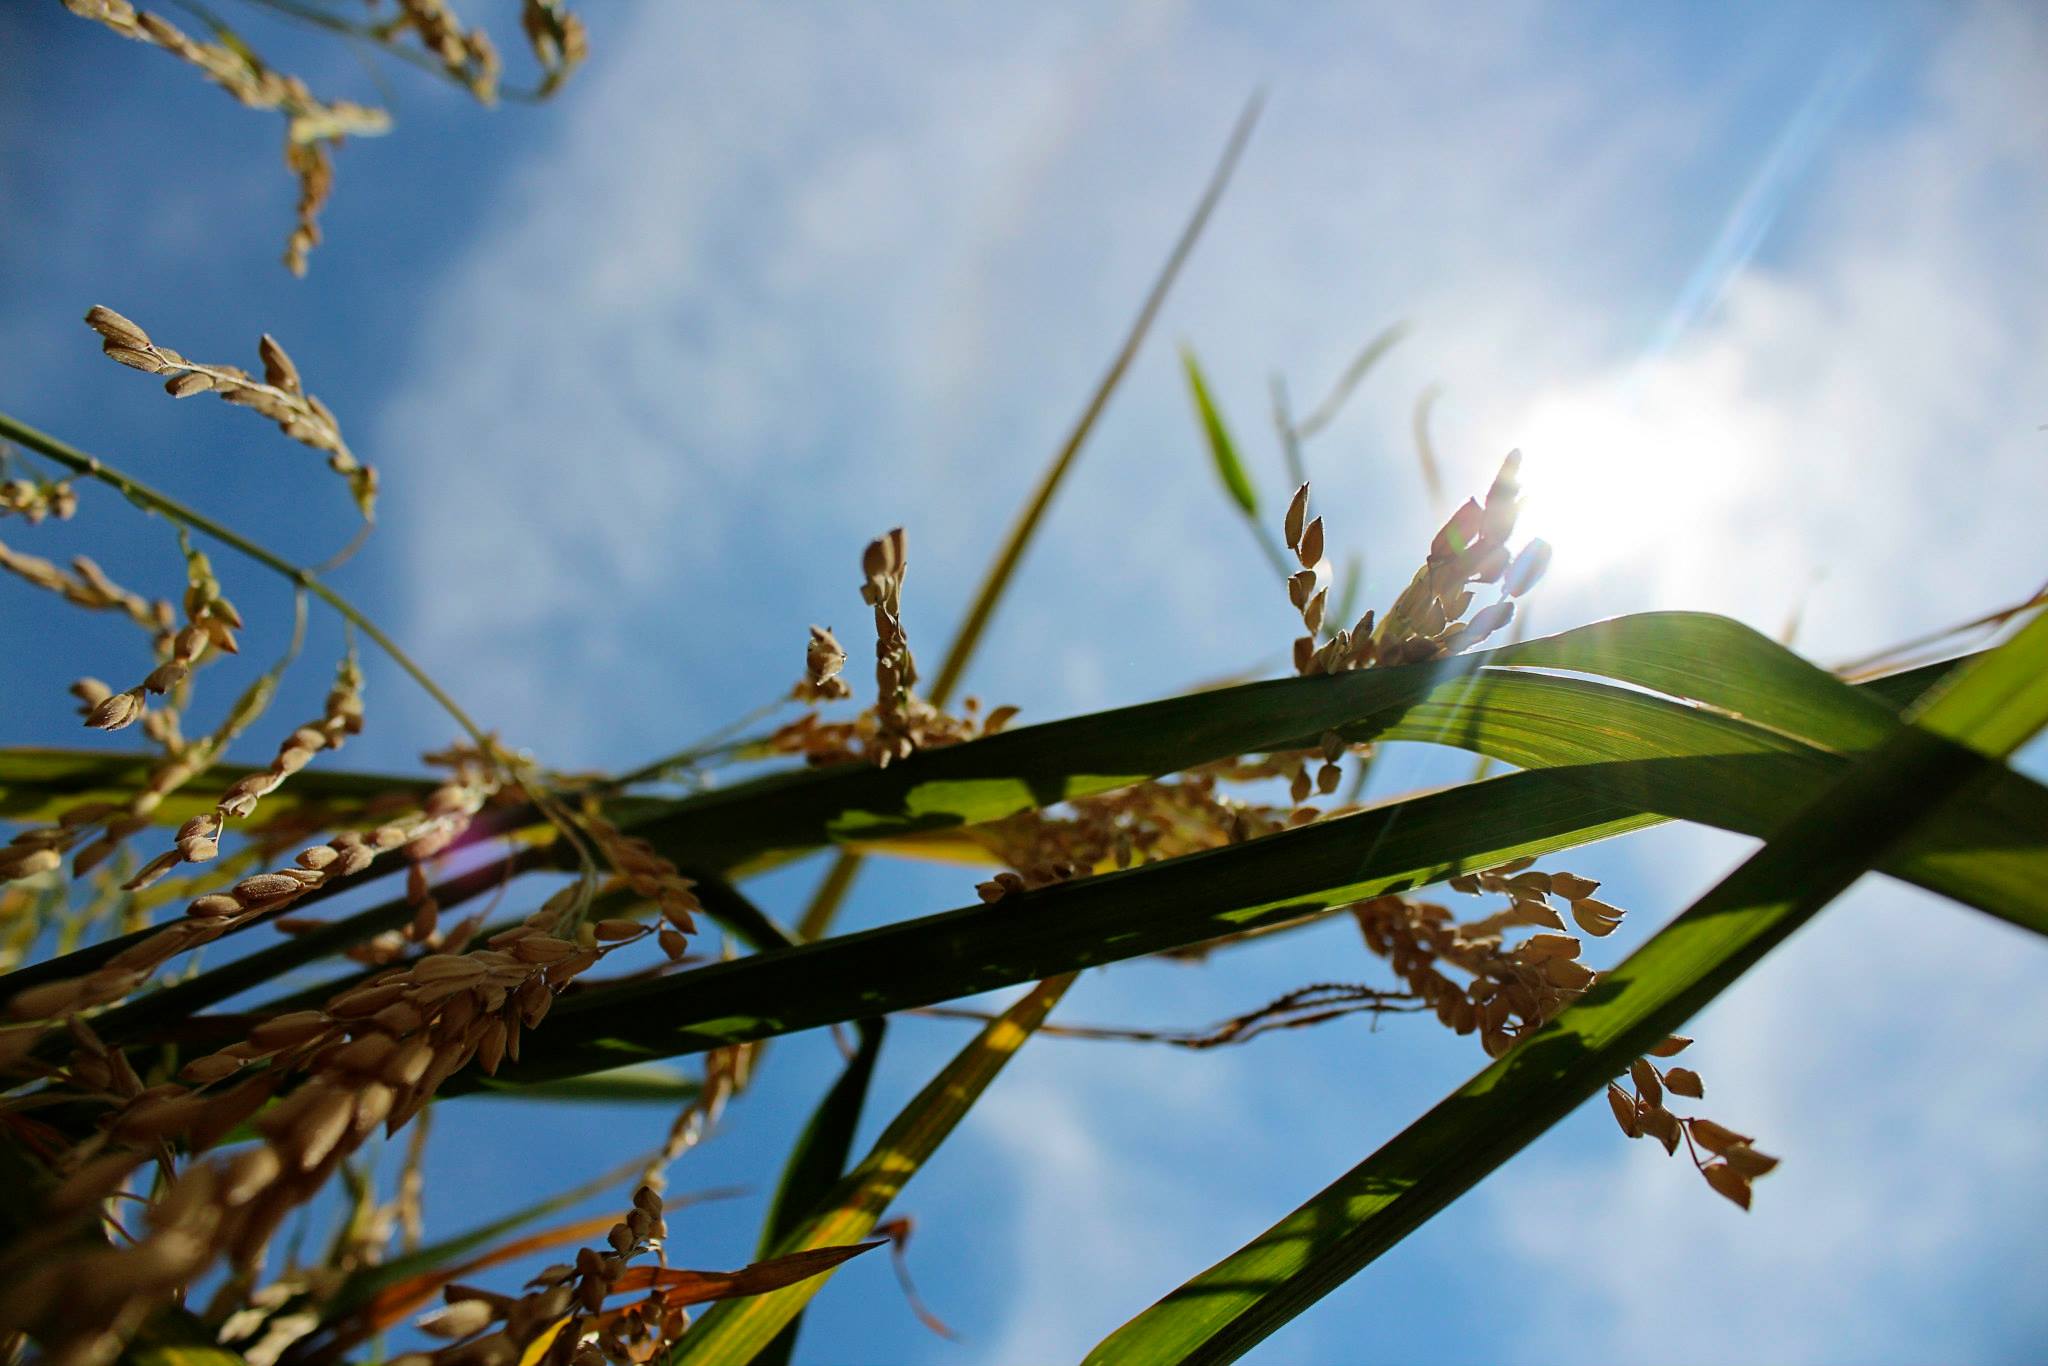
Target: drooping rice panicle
280, 395
312, 125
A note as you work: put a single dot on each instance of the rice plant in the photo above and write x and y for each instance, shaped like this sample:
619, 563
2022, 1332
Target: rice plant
156, 1144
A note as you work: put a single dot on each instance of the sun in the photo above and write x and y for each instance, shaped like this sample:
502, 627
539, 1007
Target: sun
1616, 478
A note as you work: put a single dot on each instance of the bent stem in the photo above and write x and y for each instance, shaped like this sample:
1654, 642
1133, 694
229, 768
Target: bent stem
162, 504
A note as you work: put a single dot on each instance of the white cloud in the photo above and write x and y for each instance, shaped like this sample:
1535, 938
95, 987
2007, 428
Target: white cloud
786, 279
1901, 1181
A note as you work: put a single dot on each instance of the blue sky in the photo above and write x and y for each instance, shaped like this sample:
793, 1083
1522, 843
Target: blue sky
1758, 288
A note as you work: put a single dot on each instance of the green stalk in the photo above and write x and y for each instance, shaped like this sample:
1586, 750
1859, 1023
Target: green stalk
824, 903
152, 500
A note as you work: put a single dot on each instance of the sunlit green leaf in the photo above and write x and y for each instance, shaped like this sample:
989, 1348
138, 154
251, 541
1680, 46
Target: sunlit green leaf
1873, 805
1222, 447
736, 1331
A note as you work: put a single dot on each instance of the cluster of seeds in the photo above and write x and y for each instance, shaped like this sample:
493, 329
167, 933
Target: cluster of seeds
565, 1302
279, 395
558, 39
198, 839
883, 564
1513, 987
1142, 823
1345, 649
900, 723
820, 742
1177, 815
1427, 621
310, 124
314, 1084
1641, 1112
647, 874
32, 500
41, 849
210, 624
274, 1317
466, 54
446, 813
564, 1315
824, 657
210, 621
470, 58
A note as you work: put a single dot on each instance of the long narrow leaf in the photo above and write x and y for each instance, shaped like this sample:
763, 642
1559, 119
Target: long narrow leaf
735, 1332
1340, 393
1222, 446
1186, 901
1286, 877
997, 580
1449, 703
1229, 465
641, 1084
38, 784
1227, 1310
1691, 656
1692, 764
816, 1164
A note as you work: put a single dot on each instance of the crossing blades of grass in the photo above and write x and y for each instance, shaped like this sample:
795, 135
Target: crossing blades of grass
737, 1331
1640, 752
816, 1164
1989, 709
1276, 880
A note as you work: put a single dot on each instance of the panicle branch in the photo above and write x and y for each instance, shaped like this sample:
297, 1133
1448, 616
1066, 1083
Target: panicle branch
311, 125
279, 395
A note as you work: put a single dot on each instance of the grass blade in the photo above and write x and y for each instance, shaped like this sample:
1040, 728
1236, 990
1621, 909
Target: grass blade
1229, 466
37, 784
816, 1164
1277, 880
1222, 447
1021, 531
1691, 656
642, 1084
736, 1331
1425, 450
1227, 1310
1340, 393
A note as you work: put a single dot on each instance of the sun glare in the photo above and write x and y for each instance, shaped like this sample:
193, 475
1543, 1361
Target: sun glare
1606, 478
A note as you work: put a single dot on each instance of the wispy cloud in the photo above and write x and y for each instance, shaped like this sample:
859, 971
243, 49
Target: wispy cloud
785, 280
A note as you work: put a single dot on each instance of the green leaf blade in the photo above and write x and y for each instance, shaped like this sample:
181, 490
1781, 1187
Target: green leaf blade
1227, 1310
1222, 446
738, 1331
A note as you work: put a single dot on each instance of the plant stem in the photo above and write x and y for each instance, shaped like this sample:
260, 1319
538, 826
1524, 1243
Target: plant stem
1000, 572
817, 916
151, 500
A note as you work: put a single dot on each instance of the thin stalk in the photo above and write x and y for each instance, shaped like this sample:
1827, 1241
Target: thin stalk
1892, 656
717, 743
1290, 438
824, 903
378, 37
1425, 450
1340, 393
1000, 572
152, 500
